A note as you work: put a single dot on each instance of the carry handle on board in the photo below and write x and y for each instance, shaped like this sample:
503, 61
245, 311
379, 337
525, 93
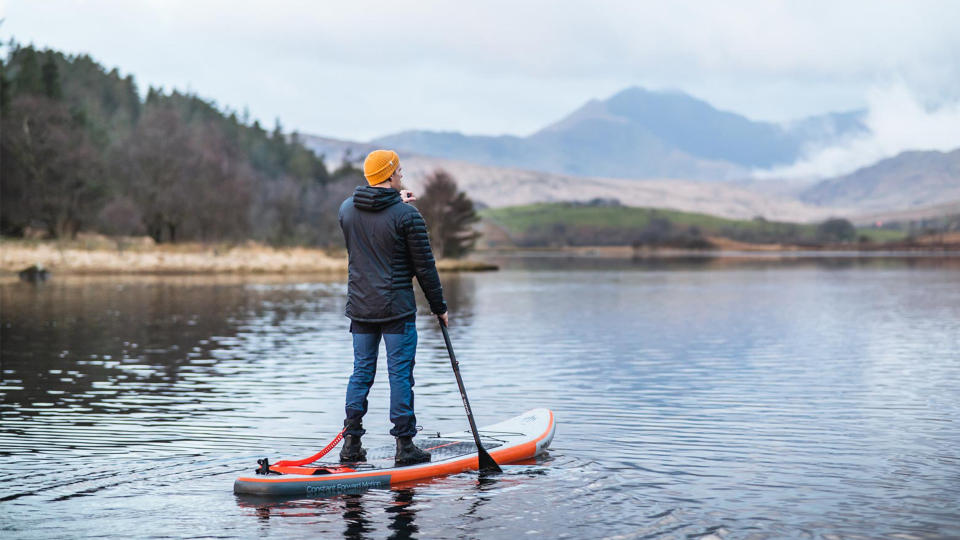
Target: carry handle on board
486, 462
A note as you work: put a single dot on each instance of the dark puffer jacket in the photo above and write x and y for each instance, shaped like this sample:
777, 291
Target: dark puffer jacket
388, 245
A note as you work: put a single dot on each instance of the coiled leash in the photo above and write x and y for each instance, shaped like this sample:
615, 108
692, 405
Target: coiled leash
298, 466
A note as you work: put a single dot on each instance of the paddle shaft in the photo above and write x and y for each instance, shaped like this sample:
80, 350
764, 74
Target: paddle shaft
486, 462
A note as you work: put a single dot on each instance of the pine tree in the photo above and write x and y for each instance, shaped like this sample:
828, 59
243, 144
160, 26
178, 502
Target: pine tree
27, 79
51, 77
4, 88
449, 214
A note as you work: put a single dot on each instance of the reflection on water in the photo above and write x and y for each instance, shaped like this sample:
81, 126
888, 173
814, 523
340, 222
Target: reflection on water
403, 514
707, 260
751, 396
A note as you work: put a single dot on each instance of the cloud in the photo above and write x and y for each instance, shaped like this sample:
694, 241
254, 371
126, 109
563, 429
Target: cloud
366, 68
897, 120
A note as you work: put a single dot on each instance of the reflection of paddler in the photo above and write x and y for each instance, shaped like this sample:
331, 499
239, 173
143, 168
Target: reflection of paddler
355, 515
387, 244
402, 513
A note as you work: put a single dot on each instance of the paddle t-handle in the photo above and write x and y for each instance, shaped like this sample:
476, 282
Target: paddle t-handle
486, 462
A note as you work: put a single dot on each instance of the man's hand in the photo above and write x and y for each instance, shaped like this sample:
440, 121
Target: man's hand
407, 196
444, 318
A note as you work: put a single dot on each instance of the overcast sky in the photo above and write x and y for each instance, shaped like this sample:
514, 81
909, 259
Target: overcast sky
359, 69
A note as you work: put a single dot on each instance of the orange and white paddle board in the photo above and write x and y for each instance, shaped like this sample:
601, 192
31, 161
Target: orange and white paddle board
516, 439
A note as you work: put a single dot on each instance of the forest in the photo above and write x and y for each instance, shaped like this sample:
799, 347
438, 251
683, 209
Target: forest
81, 149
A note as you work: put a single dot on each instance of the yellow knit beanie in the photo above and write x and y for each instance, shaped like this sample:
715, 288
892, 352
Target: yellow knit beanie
380, 165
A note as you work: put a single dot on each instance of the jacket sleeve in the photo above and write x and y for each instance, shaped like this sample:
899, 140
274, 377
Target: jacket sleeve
414, 230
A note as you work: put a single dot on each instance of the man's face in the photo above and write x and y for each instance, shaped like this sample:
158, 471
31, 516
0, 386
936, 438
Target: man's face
395, 179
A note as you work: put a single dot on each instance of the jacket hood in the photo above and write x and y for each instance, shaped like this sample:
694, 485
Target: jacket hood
371, 199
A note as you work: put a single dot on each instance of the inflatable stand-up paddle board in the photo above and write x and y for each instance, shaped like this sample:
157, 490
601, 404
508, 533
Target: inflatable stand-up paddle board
516, 439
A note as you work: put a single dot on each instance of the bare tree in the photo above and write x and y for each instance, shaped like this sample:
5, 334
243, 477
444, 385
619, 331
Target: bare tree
158, 165
51, 172
222, 183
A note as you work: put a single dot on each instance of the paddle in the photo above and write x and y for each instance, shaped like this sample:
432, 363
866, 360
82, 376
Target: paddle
487, 464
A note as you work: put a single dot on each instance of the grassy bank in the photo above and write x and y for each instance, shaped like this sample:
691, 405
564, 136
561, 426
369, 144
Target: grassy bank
567, 224
95, 254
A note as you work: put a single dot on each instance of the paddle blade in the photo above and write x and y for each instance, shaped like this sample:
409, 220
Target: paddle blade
487, 464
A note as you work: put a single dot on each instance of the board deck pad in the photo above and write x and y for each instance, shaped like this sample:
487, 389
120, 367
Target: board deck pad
516, 439
439, 448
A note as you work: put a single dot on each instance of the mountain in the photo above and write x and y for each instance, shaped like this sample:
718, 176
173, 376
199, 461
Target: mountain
639, 133
912, 185
337, 151
496, 187
910, 180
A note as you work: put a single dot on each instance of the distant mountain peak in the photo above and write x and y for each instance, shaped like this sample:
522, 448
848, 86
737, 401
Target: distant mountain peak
639, 133
640, 92
589, 110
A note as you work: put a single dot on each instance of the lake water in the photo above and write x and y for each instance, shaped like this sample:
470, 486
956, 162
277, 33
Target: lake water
728, 398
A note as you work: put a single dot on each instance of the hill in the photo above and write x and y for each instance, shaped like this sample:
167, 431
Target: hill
638, 133
907, 181
604, 223
496, 187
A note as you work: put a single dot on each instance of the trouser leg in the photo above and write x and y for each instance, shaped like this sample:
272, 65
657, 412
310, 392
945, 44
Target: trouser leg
365, 349
401, 352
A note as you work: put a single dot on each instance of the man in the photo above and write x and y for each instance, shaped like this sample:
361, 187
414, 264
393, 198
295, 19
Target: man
387, 245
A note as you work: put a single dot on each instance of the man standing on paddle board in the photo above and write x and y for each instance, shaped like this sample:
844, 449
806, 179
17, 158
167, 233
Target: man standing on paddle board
387, 245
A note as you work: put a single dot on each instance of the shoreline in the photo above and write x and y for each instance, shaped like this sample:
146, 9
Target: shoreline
724, 247
97, 255
605, 252
94, 255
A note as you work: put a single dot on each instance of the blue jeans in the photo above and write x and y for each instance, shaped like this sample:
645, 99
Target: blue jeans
401, 351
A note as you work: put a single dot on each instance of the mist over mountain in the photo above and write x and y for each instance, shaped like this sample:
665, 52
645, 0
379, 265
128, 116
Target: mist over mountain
897, 120
638, 133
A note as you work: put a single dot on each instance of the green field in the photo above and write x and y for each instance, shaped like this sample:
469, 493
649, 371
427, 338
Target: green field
572, 224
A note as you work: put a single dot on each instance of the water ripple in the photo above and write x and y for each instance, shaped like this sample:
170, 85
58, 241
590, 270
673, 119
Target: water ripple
770, 401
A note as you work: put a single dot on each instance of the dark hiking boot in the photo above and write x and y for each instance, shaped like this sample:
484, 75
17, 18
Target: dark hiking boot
408, 453
352, 451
